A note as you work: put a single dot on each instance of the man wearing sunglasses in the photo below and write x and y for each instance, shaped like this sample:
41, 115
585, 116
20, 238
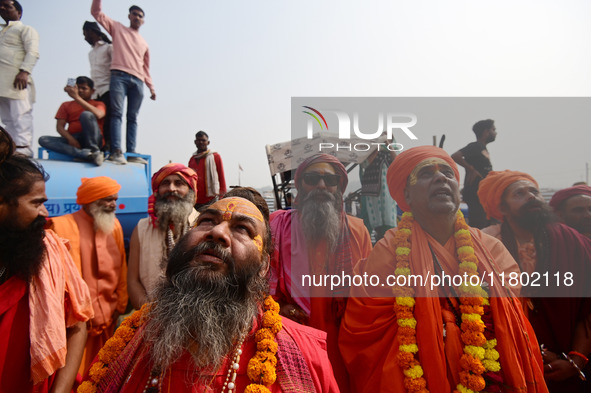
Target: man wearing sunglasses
317, 239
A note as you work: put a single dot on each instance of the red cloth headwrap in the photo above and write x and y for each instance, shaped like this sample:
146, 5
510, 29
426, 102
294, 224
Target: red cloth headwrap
95, 188
492, 187
318, 158
563, 195
186, 173
404, 164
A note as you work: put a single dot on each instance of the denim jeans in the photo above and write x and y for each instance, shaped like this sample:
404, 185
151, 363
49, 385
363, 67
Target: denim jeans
124, 84
90, 139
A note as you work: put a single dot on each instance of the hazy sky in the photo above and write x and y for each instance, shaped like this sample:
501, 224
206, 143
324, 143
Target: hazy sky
231, 68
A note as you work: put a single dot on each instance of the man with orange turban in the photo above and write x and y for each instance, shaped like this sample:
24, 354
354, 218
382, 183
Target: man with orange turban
315, 239
573, 207
544, 248
407, 330
96, 246
170, 215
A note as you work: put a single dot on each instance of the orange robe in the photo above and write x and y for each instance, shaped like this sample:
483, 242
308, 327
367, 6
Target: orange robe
368, 339
34, 317
101, 260
325, 312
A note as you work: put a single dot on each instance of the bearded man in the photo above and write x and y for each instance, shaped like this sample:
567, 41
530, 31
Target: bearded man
401, 334
317, 238
96, 240
210, 327
171, 215
44, 303
559, 311
573, 207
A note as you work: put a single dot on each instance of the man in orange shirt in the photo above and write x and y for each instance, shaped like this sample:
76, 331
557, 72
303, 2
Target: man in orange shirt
96, 241
317, 238
83, 117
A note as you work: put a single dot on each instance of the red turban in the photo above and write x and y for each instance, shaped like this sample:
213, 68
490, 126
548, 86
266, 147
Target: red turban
318, 158
186, 173
95, 188
404, 164
563, 195
492, 187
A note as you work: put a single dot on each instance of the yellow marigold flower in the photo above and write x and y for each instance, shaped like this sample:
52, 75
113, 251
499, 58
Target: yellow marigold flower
462, 389
413, 348
485, 302
405, 231
407, 214
465, 250
253, 388
125, 333
254, 370
411, 322
86, 387
477, 352
402, 271
461, 232
265, 357
491, 365
402, 251
491, 354
490, 344
469, 266
414, 372
471, 317
406, 301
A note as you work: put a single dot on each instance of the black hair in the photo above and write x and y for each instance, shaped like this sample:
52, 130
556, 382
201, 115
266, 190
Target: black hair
136, 8
84, 80
18, 172
18, 6
201, 133
482, 126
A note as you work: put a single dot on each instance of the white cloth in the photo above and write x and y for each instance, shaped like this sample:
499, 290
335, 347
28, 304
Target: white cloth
19, 50
211, 171
17, 116
100, 66
152, 243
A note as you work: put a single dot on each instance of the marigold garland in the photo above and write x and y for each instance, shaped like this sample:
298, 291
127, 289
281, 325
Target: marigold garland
112, 349
477, 336
261, 367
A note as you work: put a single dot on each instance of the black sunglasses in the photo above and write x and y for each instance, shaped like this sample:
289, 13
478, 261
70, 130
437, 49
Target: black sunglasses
312, 179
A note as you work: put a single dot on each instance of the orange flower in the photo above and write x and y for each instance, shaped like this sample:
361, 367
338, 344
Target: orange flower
406, 360
407, 340
473, 338
267, 345
470, 309
415, 384
406, 331
472, 301
264, 334
255, 388
271, 305
470, 363
474, 326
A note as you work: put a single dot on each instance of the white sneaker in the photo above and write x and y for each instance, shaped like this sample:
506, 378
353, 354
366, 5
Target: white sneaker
117, 158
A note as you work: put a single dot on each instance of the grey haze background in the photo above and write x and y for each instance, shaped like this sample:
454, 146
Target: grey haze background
231, 68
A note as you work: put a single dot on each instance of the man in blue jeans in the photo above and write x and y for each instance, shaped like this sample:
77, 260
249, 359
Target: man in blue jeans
79, 123
130, 69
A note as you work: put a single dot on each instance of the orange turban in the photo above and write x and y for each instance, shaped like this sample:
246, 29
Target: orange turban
404, 164
492, 187
95, 188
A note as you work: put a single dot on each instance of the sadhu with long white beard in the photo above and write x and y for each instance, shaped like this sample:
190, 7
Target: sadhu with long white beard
469, 338
211, 326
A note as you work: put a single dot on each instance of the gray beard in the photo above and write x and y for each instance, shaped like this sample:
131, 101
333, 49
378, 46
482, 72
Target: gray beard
174, 212
203, 313
104, 221
320, 213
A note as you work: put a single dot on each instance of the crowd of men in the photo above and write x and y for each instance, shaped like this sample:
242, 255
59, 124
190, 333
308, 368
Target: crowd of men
218, 284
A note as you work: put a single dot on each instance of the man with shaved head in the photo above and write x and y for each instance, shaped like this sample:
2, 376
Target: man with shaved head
573, 207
